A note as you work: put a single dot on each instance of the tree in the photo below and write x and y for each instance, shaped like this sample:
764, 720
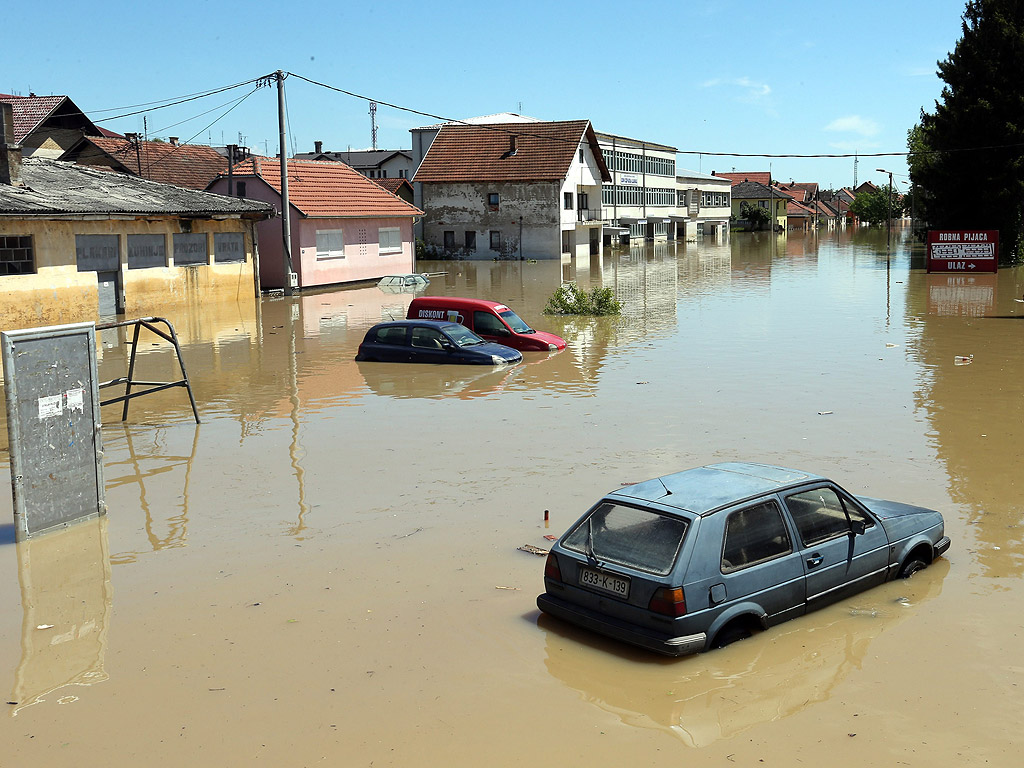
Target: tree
876, 207
967, 157
755, 214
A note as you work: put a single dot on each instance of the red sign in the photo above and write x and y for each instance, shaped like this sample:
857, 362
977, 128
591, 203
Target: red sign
963, 250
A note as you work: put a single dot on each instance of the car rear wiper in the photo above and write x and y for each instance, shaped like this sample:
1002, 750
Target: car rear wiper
589, 548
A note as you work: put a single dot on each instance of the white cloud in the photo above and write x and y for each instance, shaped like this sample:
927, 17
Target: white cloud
752, 90
854, 124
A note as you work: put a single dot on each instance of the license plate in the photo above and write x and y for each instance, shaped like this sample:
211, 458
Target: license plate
604, 582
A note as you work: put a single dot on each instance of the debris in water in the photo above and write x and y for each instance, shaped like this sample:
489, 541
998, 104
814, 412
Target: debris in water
45, 626
532, 549
864, 612
890, 345
633, 482
547, 515
824, 413
643, 382
550, 537
407, 535
514, 589
963, 359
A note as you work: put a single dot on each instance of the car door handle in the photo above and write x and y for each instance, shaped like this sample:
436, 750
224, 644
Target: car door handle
814, 561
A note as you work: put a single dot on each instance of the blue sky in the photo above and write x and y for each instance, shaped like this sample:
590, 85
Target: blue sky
734, 76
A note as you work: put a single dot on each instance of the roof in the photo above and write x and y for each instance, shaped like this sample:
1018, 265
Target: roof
358, 158
327, 189
752, 190
500, 117
543, 152
608, 138
706, 489
186, 165
793, 208
54, 187
737, 177
392, 185
682, 173
30, 112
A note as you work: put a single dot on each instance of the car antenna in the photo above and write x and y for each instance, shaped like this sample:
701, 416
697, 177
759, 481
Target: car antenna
667, 491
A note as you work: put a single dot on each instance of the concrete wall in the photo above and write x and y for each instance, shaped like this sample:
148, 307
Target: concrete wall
58, 293
363, 259
461, 207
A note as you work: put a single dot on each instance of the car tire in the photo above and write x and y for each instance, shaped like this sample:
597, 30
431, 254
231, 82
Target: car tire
731, 633
912, 566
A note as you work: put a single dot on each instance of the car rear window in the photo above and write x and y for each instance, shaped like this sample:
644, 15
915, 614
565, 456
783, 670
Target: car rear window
391, 334
637, 538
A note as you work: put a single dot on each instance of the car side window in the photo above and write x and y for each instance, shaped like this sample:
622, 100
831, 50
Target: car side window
427, 338
484, 323
820, 514
390, 335
754, 535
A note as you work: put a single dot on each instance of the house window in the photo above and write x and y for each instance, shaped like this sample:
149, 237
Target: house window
449, 240
16, 257
384, 173
470, 240
496, 239
390, 240
330, 244
240, 189
493, 199
189, 248
568, 201
763, 203
401, 173
581, 155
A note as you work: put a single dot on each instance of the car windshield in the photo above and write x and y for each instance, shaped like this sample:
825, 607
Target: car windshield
515, 322
637, 538
462, 336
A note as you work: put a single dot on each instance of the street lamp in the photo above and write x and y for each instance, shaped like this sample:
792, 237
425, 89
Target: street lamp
888, 207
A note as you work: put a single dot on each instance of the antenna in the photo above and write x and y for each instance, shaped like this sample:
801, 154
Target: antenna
855, 158
373, 124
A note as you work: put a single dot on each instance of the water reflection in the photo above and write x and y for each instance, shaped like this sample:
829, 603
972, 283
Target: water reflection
717, 695
66, 599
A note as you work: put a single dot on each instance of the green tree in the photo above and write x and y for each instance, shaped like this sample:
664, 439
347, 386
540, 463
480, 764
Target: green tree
967, 156
876, 207
755, 214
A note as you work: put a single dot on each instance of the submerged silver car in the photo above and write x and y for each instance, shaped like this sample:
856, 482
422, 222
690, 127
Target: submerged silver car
694, 560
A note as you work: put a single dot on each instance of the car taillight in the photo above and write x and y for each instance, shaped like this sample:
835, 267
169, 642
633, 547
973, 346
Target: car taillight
668, 601
551, 569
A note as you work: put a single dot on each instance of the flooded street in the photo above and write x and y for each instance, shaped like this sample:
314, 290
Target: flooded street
325, 571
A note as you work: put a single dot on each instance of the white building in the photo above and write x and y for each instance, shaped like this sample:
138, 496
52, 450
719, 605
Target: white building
705, 204
642, 194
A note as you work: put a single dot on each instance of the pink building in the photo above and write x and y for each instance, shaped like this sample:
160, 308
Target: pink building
344, 227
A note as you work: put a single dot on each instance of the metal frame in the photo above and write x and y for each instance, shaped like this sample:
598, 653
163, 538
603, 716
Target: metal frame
153, 386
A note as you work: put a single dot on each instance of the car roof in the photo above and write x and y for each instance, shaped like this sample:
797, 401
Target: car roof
455, 302
438, 324
709, 488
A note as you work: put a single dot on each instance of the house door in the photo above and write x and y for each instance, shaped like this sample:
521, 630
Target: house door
595, 242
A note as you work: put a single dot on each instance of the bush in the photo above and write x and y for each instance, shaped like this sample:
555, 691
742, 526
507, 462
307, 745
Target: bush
570, 300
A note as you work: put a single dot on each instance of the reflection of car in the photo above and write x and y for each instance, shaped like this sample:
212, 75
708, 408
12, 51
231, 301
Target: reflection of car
493, 321
694, 560
428, 341
403, 283
704, 700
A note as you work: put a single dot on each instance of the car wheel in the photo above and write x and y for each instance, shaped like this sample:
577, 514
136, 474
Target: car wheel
731, 632
912, 566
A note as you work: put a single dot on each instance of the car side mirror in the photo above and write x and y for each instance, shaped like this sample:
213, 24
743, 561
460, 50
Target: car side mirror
859, 527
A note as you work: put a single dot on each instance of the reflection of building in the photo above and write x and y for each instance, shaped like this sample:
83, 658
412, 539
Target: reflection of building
66, 597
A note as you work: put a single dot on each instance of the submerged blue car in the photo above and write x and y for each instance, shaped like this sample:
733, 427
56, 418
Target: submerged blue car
694, 560
432, 341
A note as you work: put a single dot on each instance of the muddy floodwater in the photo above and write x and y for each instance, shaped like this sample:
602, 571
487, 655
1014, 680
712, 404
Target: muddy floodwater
326, 570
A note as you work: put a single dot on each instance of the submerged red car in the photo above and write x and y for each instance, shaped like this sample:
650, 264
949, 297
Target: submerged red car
488, 319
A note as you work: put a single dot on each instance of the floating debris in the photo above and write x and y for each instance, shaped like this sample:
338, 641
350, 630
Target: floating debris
963, 359
514, 589
550, 537
824, 413
532, 549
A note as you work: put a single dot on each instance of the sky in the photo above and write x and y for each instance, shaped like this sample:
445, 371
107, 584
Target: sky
736, 76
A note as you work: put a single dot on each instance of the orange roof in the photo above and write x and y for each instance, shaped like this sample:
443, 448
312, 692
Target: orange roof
327, 189
391, 185
30, 112
184, 165
737, 177
507, 152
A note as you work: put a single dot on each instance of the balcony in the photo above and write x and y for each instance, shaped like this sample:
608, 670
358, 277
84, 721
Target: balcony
588, 215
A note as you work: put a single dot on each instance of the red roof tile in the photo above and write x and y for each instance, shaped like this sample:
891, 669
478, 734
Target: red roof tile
327, 189
738, 177
543, 152
391, 185
30, 111
185, 165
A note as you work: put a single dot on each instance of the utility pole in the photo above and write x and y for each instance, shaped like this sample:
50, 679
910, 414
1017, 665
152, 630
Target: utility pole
888, 208
286, 212
373, 124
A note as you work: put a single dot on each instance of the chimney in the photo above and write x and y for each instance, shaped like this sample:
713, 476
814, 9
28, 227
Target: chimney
318, 147
10, 150
173, 140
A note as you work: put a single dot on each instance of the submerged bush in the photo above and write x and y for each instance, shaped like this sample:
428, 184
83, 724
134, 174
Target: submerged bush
570, 300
